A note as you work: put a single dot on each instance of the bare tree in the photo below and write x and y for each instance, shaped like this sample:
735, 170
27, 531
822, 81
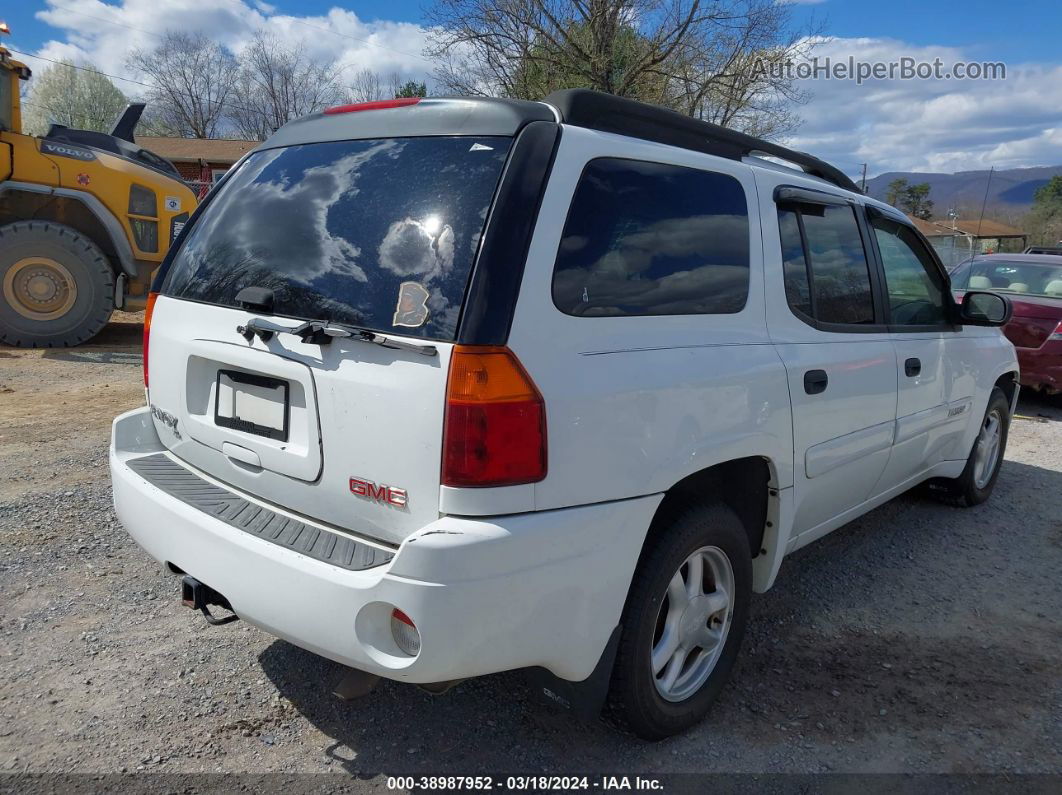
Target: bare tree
366, 86
74, 96
192, 78
369, 86
278, 83
695, 56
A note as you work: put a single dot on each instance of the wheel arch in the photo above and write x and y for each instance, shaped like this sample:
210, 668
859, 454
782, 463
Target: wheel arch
749, 487
1009, 383
83, 212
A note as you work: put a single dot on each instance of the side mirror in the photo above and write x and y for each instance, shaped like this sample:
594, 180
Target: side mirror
985, 309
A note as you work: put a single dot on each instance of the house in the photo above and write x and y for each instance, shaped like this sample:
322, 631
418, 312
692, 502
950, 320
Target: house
200, 161
957, 240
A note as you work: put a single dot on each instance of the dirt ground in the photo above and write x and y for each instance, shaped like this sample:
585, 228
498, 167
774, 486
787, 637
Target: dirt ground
918, 639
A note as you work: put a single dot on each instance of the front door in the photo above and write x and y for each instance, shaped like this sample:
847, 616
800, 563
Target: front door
930, 413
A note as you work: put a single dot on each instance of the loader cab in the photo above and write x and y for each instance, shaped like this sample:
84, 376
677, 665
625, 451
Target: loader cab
119, 141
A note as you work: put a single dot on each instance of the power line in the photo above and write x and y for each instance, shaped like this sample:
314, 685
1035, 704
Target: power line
82, 68
226, 103
108, 21
364, 41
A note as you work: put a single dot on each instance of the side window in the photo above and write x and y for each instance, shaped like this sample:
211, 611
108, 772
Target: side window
653, 239
827, 277
795, 267
914, 285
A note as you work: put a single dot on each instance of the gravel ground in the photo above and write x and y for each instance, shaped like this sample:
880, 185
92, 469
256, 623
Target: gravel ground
919, 638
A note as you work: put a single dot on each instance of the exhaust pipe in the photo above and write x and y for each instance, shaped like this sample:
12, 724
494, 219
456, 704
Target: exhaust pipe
125, 125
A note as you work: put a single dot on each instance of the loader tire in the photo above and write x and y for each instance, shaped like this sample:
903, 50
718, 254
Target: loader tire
56, 286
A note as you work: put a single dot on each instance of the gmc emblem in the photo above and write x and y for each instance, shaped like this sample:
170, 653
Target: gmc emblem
387, 494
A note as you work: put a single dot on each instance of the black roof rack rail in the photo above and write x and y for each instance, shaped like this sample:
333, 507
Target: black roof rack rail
607, 113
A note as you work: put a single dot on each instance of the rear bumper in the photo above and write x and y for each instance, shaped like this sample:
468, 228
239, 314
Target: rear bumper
1041, 368
537, 589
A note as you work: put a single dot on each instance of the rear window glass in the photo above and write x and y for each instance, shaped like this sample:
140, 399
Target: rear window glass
653, 239
378, 233
1014, 277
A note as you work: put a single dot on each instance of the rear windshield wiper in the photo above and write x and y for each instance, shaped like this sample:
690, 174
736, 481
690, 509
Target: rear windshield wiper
322, 332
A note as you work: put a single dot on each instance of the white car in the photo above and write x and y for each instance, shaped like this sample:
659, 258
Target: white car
447, 387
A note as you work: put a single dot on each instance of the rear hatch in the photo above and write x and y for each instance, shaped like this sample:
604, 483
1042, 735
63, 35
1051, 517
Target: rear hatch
371, 234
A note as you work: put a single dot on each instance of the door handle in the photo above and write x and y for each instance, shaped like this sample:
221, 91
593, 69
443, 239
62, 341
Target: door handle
815, 381
912, 367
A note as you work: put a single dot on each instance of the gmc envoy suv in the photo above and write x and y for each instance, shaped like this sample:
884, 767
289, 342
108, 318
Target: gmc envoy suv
444, 387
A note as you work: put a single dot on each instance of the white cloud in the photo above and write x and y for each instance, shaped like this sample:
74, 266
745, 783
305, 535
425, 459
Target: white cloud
934, 125
931, 125
105, 34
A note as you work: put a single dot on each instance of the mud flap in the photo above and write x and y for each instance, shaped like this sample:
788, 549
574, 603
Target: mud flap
583, 699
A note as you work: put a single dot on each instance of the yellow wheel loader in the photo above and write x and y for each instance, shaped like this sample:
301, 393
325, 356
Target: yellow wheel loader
85, 219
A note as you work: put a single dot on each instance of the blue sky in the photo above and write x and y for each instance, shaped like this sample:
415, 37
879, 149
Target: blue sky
891, 125
988, 29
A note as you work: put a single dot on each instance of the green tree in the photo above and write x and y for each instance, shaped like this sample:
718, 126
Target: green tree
917, 202
1044, 221
71, 96
895, 192
912, 199
411, 88
541, 72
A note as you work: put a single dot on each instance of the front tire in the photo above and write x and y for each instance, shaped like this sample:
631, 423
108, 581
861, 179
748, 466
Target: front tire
56, 286
978, 478
683, 622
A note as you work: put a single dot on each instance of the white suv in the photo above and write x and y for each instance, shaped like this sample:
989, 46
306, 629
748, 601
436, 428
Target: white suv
447, 387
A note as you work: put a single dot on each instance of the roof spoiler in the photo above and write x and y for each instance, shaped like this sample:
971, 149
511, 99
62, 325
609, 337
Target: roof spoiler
126, 123
607, 113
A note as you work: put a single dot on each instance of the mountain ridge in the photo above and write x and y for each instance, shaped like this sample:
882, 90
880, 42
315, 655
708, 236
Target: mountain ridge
1011, 190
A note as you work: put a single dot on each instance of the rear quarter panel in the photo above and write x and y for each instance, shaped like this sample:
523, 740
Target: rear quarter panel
635, 404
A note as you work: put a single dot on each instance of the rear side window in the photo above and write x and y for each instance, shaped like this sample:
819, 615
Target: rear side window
377, 233
653, 239
827, 277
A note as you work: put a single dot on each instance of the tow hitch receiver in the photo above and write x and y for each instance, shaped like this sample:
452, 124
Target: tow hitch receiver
198, 596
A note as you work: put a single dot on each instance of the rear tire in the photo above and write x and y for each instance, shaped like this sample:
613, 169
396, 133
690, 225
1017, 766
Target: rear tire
978, 479
56, 286
654, 693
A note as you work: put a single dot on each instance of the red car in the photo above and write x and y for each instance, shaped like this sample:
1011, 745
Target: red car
1034, 284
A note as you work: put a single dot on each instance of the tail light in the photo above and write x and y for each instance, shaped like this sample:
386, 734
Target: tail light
494, 432
147, 331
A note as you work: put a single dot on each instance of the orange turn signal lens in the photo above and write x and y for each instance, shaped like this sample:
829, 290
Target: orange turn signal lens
147, 330
495, 428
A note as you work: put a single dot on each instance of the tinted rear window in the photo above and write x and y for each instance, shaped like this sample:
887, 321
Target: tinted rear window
361, 232
834, 287
653, 239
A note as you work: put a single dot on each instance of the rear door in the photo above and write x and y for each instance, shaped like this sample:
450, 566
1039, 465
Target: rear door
826, 323
377, 234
